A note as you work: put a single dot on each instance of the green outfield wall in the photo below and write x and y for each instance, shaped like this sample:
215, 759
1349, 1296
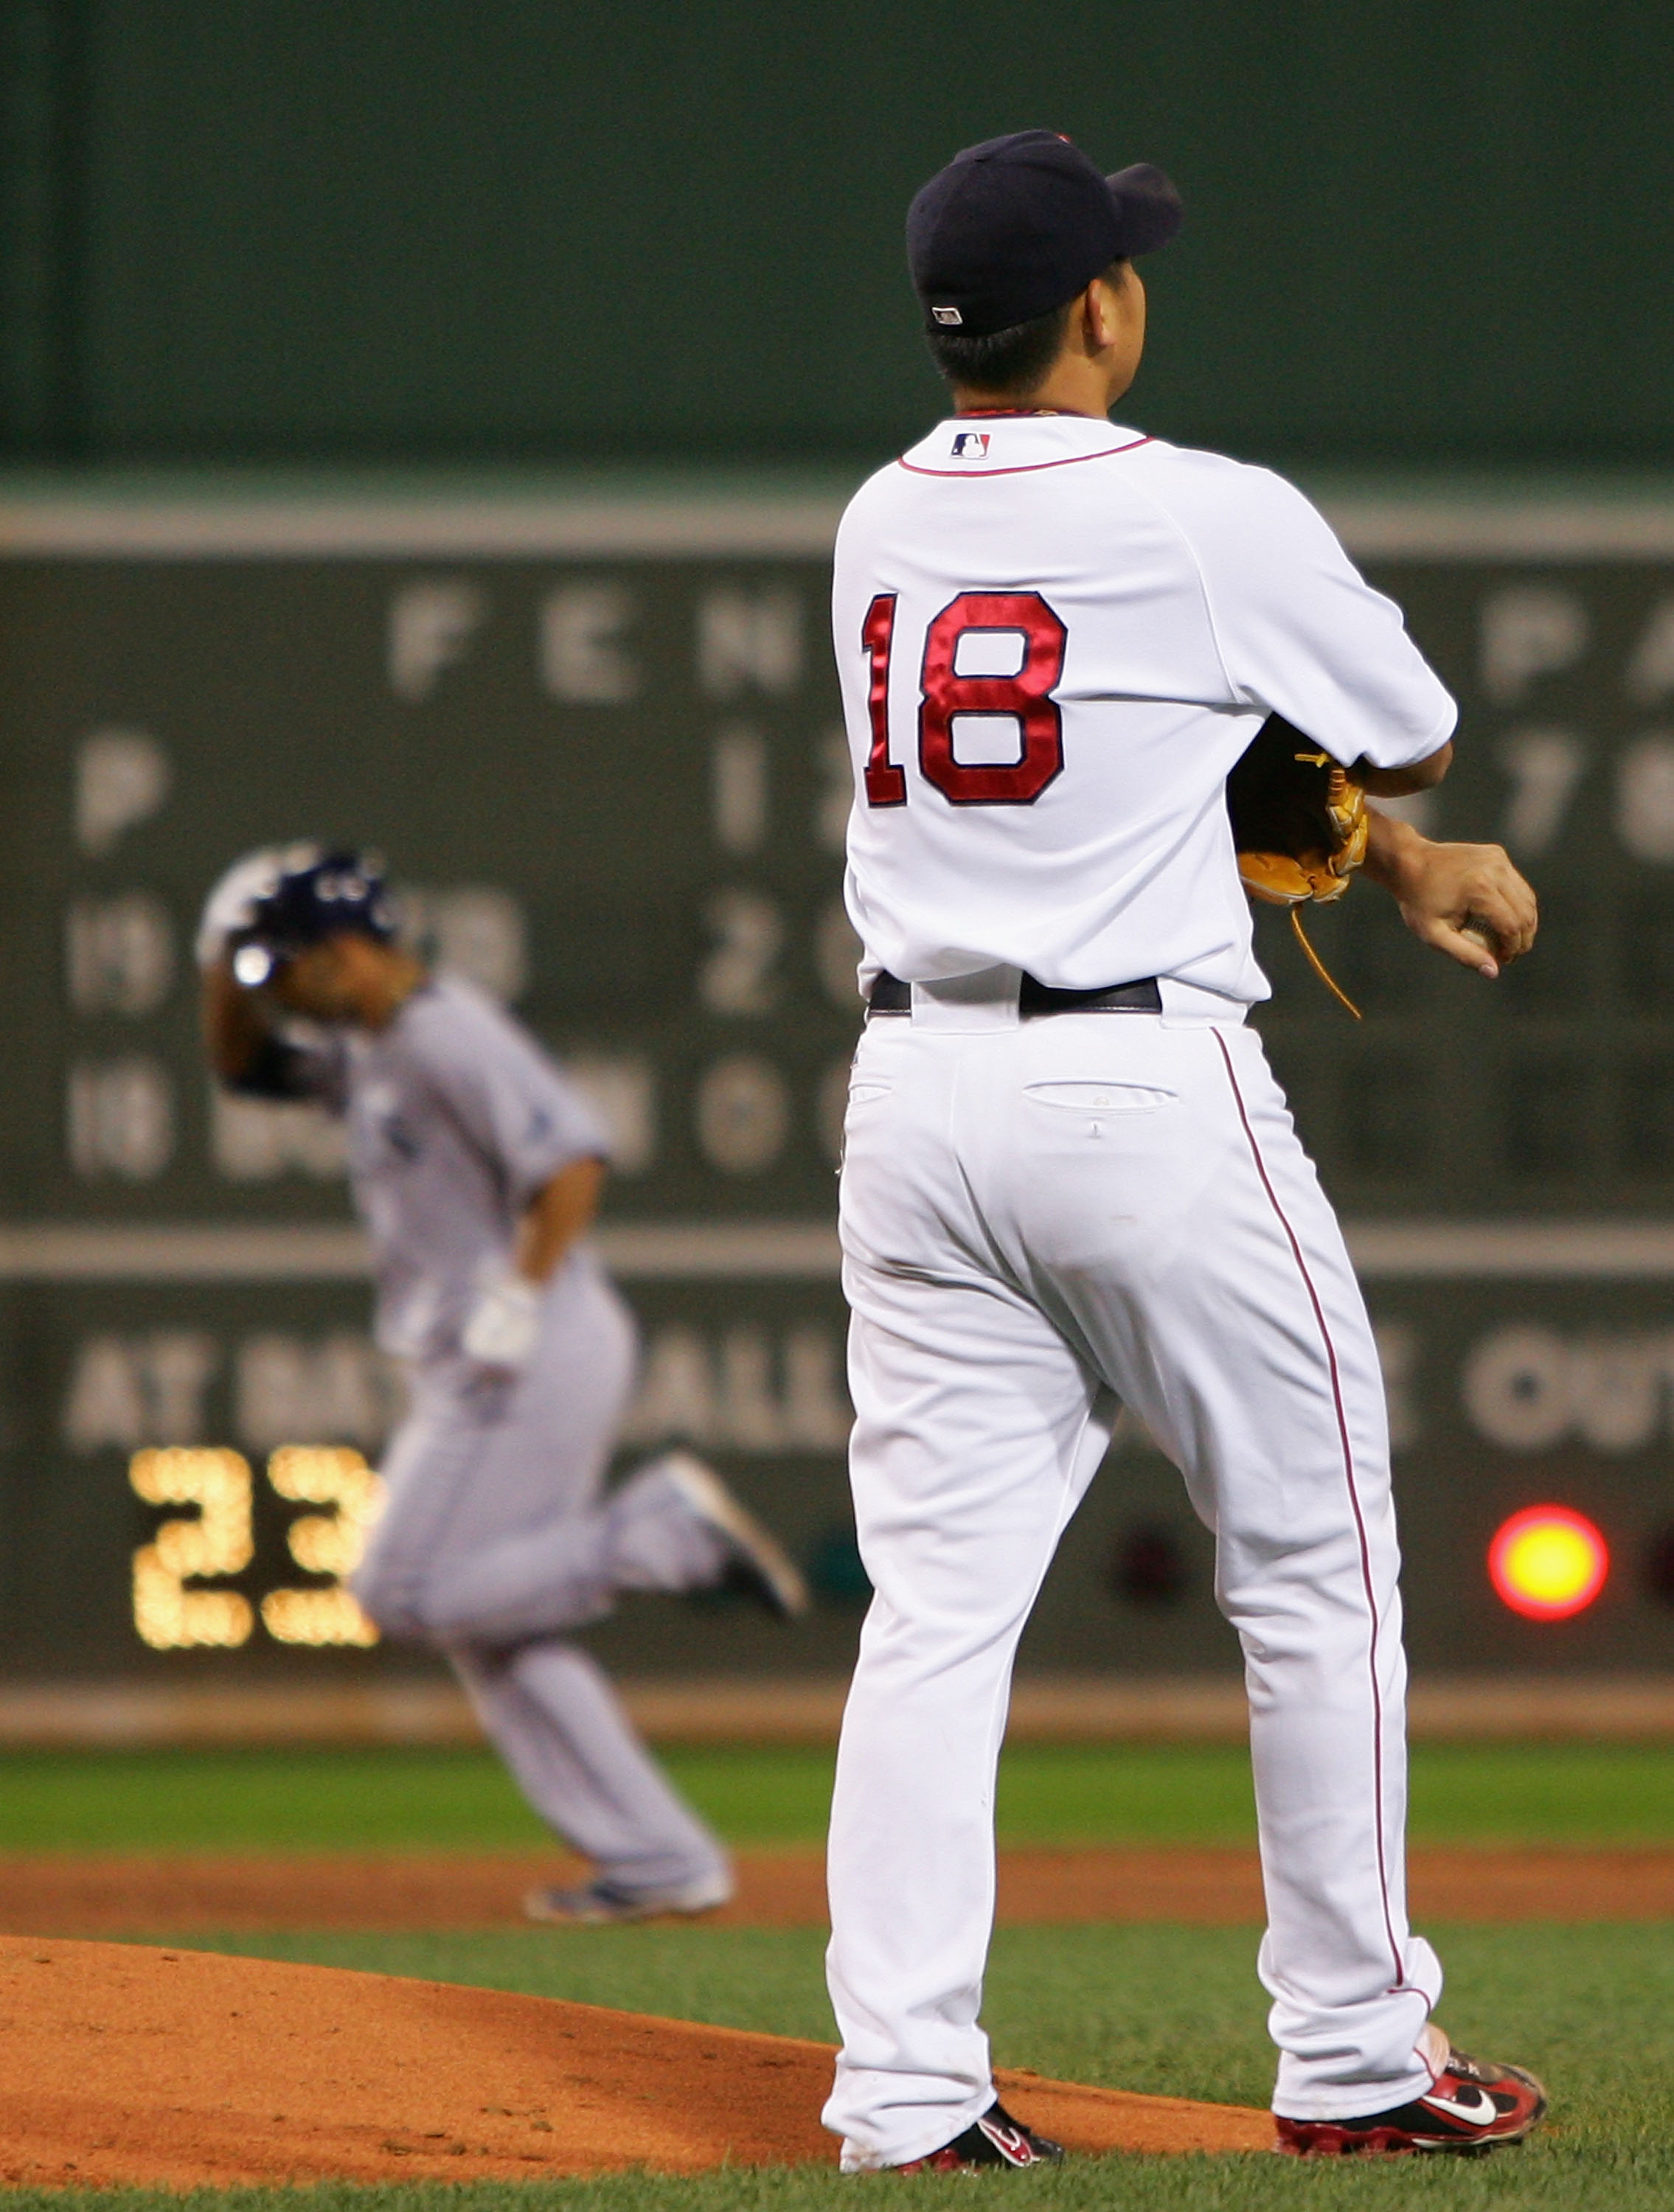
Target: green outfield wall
597, 739
421, 229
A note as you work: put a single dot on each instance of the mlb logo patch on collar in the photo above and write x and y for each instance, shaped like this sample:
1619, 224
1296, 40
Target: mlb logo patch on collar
969, 445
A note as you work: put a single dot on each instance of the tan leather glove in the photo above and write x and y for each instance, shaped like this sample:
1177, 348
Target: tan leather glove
1300, 827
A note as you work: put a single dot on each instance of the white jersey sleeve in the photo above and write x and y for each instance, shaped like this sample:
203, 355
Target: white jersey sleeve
1300, 631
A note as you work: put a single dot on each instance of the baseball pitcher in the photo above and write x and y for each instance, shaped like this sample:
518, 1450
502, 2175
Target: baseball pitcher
1070, 1179
476, 1169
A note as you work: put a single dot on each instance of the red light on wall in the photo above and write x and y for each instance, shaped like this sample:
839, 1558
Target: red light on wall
1548, 1563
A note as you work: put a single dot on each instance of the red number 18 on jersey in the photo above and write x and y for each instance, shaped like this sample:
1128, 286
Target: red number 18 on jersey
1025, 697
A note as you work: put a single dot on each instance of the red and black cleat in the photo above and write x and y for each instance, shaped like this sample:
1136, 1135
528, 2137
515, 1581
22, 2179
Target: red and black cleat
1470, 2108
995, 2140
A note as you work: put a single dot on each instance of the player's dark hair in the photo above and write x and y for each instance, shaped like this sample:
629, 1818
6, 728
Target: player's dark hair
1014, 360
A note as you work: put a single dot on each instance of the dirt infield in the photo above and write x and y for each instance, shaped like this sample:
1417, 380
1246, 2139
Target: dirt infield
176, 2068
67, 1895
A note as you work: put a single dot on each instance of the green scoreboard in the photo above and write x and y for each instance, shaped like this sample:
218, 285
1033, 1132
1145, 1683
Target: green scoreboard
598, 740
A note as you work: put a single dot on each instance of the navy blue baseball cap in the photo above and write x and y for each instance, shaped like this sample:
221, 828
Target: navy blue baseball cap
1018, 226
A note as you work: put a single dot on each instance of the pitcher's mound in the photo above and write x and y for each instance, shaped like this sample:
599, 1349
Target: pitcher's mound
176, 2068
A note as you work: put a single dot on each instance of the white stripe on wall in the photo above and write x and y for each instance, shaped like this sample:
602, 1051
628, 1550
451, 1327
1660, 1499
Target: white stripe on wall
792, 1251
231, 528
261, 525
1464, 1251
179, 1252
1503, 529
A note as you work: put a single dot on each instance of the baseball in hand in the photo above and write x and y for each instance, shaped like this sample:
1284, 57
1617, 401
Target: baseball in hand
1478, 931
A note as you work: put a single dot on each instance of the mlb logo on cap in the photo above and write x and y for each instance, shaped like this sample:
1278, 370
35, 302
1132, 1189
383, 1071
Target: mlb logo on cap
969, 445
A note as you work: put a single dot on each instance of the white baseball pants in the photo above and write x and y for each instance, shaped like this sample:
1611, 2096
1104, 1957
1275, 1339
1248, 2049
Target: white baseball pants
1038, 1218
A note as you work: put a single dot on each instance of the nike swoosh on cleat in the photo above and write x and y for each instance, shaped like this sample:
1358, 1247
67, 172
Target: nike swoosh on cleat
1483, 2109
1010, 2142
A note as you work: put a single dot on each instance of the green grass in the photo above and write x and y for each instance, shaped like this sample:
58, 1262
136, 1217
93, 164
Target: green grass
1171, 2009
311, 1799
441, 1800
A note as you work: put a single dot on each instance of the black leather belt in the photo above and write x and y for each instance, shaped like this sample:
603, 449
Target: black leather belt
890, 995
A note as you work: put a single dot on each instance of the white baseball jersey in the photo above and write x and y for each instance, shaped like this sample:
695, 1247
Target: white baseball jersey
1055, 638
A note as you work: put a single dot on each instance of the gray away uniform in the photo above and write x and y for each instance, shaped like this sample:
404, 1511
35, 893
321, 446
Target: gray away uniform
494, 1540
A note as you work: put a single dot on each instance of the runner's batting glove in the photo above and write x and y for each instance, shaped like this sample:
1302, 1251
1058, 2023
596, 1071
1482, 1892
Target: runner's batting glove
503, 1324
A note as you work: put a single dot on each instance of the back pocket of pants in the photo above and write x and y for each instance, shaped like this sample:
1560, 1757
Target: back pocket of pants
1085, 1095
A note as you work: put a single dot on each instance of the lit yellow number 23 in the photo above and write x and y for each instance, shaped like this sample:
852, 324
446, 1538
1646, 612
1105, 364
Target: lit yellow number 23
171, 1616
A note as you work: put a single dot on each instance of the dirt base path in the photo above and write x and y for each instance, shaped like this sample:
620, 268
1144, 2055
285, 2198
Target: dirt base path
62, 1894
177, 2068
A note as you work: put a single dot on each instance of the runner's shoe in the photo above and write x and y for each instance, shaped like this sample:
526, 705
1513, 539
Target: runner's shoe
1471, 2107
995, 2140
603, 1902
758, 1564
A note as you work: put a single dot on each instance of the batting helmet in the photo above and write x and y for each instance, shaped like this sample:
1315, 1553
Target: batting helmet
271, 904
